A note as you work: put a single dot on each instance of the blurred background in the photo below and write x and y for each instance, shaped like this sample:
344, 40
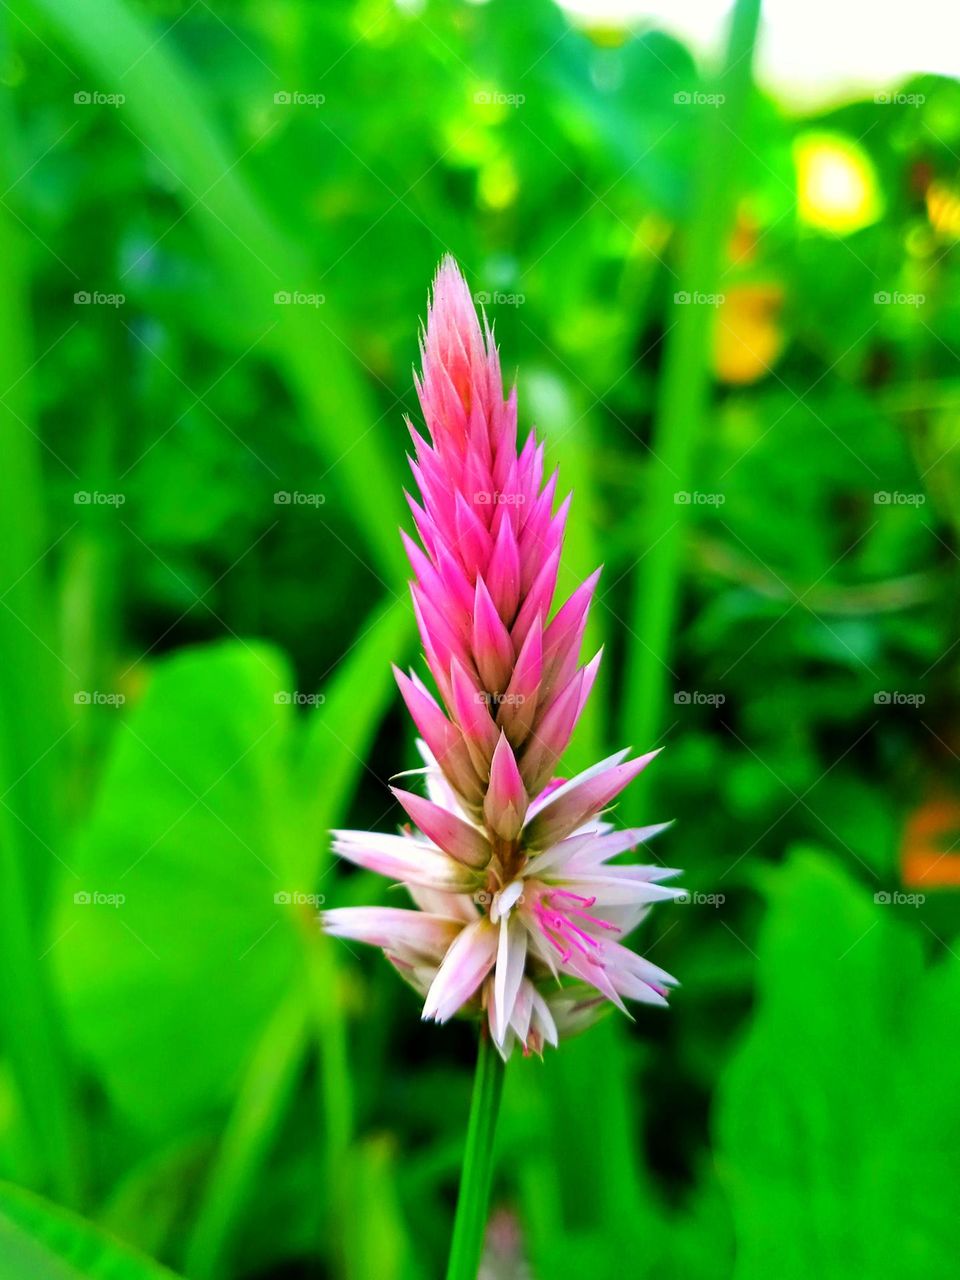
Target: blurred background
722, 262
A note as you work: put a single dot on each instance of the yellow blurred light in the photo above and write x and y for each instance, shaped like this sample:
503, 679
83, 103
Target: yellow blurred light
490, 105
748, 336
651, 235
498, 184
837, 188
943, 209
467, 142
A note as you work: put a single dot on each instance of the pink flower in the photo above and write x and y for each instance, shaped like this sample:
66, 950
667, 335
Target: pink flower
520, 903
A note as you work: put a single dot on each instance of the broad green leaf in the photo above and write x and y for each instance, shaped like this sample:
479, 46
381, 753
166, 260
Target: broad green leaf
838, 1117
180, 935
41, 1241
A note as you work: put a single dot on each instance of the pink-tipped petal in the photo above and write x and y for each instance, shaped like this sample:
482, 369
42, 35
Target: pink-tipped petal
472, 711
589, 679
549, 737
564, 635
518, 706
574, 803
505, 805
503, 572
538, 599
394, 928
492, 646
409, 861
443, 738
454, 836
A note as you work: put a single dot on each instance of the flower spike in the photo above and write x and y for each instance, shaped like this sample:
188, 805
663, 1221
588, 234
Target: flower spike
520, 902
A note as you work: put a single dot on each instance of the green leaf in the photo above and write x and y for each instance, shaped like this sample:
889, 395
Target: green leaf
838, 1117
173, 965
43, 1242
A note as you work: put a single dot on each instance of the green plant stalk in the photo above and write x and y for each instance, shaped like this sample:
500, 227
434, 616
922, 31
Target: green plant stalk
30, 738
684, 393
336, 743
254, 258
264, 1096
477, 1172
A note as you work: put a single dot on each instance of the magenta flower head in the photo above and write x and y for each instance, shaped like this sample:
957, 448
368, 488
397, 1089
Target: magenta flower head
521, 903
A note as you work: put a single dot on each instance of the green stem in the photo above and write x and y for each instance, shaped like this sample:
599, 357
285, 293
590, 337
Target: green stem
684, 398
31, 734
477, 1172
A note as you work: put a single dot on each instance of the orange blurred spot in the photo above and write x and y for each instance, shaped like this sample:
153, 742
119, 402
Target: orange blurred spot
930, 854
742, 248
748, 337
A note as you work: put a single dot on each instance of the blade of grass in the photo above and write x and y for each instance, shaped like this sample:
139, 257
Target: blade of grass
30, 738
337, 740
683, 401
165, 112
264, 1095
594, 1071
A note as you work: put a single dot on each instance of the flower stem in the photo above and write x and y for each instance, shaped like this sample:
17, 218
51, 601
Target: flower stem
477, 1169
684, 402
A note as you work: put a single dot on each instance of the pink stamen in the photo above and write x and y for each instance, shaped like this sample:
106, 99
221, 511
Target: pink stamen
580, 913
556, 922
565, 893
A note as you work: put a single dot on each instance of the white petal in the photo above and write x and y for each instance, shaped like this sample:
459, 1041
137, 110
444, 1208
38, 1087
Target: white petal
561, 854
464, 967
505, 900
542, 1020
511, 959
457, 906
614, 890
523, 1010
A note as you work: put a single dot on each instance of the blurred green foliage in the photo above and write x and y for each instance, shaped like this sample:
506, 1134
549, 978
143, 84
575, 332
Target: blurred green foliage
195, 676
